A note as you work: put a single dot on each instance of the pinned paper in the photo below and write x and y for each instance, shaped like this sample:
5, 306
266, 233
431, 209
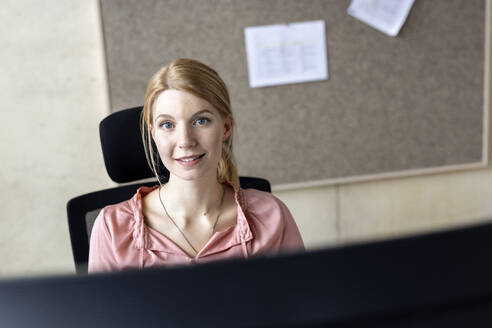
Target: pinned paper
286, 53
388, 16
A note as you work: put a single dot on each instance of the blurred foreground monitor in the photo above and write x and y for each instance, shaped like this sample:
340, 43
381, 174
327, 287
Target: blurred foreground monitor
434, 280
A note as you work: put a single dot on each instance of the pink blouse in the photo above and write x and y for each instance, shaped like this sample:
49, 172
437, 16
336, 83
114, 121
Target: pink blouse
120, 238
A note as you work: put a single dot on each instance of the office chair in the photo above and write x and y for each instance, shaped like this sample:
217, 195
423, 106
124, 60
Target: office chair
125, 161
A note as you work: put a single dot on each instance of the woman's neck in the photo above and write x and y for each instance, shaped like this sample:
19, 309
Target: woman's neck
190, 200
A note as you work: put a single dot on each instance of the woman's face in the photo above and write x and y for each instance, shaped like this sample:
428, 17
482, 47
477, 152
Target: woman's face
188, 132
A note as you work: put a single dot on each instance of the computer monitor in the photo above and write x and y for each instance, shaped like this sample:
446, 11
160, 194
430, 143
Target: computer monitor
434, 280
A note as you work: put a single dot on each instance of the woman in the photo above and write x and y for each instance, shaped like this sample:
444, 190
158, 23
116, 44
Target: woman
200, 214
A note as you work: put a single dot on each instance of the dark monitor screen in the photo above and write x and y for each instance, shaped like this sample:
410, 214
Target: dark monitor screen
434, 280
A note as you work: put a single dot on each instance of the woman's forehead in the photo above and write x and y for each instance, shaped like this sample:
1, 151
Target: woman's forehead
180, 104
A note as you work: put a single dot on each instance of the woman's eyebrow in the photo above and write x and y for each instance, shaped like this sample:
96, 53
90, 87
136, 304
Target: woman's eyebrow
164, 115
203, 111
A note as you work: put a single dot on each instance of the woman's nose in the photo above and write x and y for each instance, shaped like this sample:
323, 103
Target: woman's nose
185, 137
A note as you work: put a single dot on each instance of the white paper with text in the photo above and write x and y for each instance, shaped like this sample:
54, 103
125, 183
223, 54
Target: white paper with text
286, 53
387, 16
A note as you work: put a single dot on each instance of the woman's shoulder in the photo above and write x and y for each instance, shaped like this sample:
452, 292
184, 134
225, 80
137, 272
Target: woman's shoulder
272, 223
125, 213
254, 195
263, 205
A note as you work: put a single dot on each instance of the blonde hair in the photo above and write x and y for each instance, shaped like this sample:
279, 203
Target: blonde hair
198, 79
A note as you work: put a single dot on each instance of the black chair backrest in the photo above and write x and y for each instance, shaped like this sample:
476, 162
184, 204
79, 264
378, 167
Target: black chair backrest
125, 161
122, 146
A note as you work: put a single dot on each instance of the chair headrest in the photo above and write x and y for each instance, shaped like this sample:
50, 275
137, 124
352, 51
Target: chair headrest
122, 146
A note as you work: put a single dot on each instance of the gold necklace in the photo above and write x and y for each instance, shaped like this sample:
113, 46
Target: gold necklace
182, 233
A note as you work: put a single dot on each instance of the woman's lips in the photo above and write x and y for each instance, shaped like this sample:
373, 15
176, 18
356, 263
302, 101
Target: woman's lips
190, 161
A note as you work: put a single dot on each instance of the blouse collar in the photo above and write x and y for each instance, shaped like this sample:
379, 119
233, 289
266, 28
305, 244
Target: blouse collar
241, 230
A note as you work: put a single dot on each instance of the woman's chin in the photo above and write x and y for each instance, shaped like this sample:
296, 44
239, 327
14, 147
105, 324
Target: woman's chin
193, 176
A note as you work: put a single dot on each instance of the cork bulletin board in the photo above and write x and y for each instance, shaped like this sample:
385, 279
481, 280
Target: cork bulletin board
400, 106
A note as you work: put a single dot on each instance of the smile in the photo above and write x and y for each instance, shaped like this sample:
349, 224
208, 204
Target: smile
190, 160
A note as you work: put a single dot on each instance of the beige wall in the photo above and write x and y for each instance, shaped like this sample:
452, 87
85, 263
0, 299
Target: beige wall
383, 209
54, 93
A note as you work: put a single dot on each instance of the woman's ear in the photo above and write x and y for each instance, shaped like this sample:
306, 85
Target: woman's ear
227, 128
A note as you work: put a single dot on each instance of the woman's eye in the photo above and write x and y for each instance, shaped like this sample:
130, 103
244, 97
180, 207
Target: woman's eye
202, 121
167, 125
